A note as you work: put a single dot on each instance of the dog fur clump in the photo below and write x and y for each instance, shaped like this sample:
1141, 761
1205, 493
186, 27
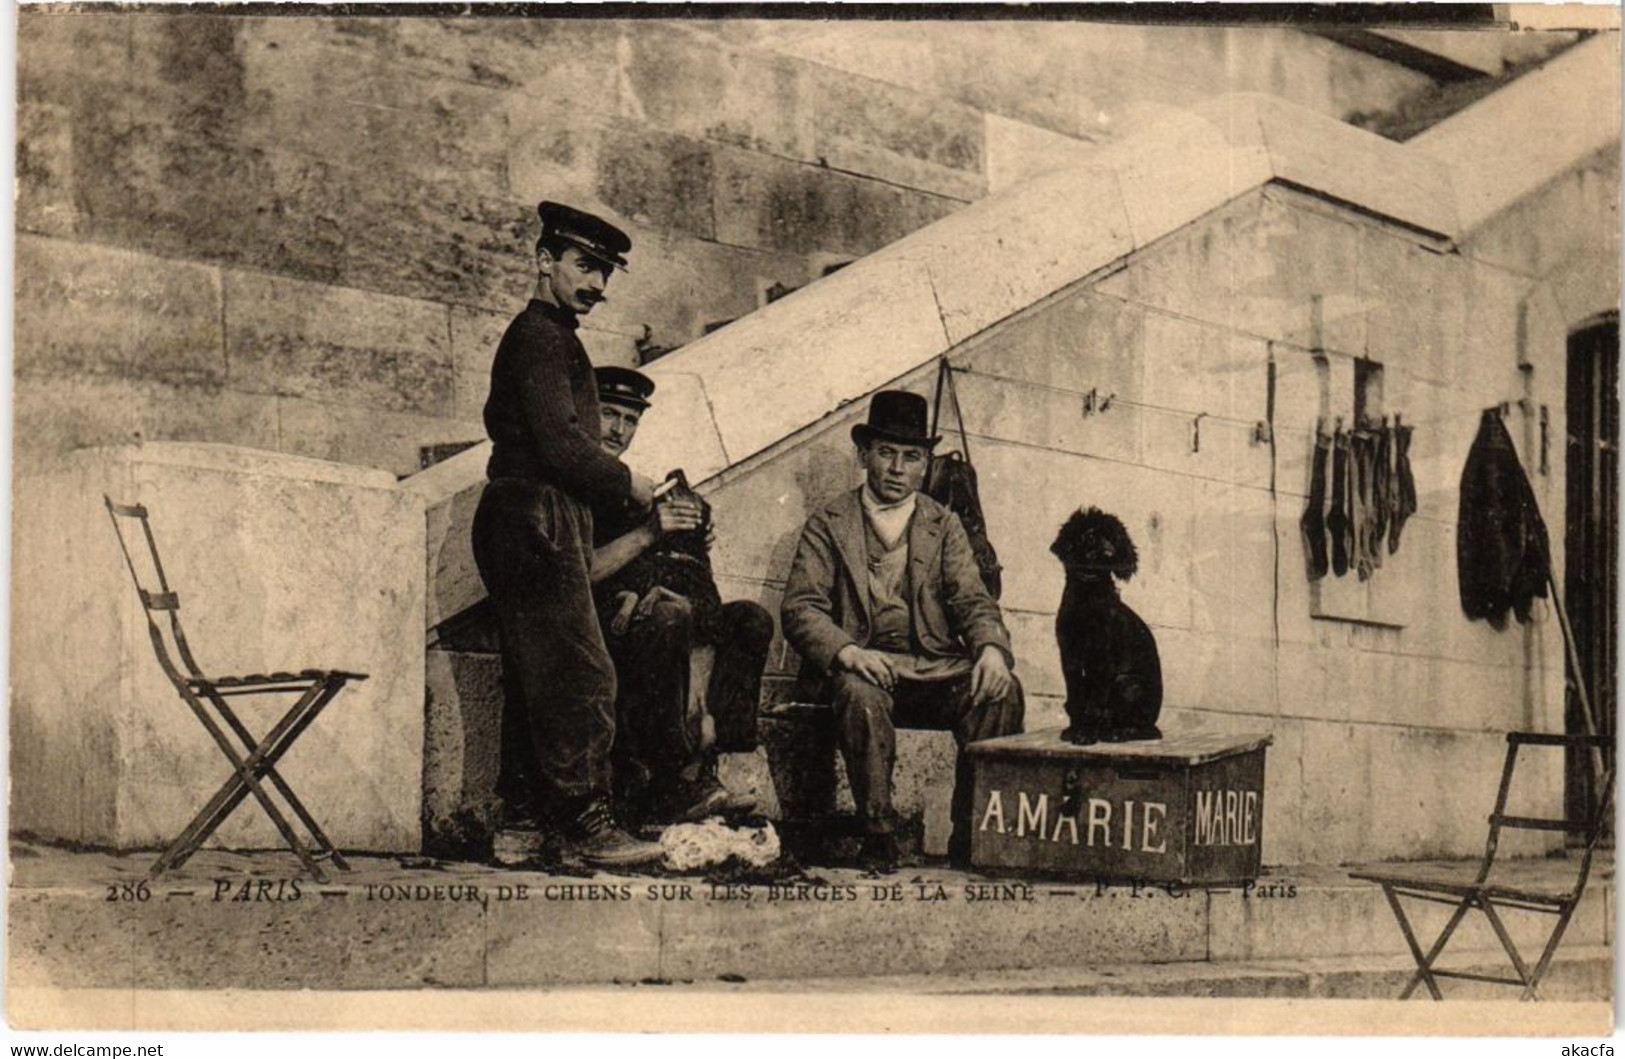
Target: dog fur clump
1108, 655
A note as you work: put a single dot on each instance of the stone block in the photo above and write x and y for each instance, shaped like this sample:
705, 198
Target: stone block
1038, 660
569, 61
1087, 202
254, 544
1342, 163
877, 320
681, 286
794, 939
769, 203
462, 742
678, 80
1155, 508
57, 415
1185, 165
608, 940
45, 183
657, 180
1081, 341
1492, 170
358, 96
337, 345
1016, 150
1423, 792
1416, 306
474, 339
1232, 561
1197, 367
678, 431
1257, 266
900, 136
1543, 229
85, 309
389, 441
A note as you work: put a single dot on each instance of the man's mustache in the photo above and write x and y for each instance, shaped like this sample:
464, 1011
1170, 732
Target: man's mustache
592, 299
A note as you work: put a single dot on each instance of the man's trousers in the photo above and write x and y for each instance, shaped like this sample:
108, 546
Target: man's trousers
658, 742
866, 722
533, 546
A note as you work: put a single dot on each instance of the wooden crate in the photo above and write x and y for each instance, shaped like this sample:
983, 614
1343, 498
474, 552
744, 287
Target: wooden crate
1188, 808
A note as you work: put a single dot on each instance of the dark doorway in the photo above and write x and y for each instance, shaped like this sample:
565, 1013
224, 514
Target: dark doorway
1591, 537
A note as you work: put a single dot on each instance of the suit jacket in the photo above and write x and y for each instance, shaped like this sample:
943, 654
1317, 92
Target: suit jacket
825, 605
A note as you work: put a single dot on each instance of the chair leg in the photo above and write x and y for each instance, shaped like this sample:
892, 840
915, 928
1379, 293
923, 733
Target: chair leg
1424, 963
324, 844
229, 795
1531, 985
244, 781
1546, 955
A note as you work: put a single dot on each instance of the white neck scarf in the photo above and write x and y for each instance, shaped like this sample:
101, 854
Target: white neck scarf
889, 521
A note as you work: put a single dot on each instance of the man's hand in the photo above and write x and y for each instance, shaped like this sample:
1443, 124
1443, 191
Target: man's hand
653, 598
870, 665
625, 603
674, 515
990, 679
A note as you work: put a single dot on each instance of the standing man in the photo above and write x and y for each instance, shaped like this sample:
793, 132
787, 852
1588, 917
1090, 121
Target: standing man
894, 625
657, 601
533, 535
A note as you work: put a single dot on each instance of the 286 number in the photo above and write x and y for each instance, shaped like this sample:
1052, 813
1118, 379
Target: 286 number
129, 891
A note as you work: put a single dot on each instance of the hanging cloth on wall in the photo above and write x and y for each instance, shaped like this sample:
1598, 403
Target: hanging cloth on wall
1362, 468
1313, 522
1502, 553
951, 482
1338, 522
1382, 506
1404, 485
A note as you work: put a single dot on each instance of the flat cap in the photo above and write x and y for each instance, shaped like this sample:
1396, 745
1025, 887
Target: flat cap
624, 386
593, 235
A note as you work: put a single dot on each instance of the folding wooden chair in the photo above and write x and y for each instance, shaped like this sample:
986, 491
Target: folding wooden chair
1491, 898
315, 688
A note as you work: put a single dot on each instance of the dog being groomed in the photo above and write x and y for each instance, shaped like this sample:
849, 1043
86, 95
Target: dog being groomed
1108, 655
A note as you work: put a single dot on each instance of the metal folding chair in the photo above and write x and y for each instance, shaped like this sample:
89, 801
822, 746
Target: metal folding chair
1490, 898
314, 689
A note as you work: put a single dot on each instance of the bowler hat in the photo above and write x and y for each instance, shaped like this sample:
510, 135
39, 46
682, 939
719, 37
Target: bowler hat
896, 415
624, 386
594, 236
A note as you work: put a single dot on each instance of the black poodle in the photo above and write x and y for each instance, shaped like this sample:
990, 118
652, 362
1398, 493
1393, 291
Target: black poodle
1108, 655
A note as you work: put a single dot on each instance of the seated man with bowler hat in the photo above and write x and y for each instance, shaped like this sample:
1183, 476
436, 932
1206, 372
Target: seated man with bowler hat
657, 600
894, 625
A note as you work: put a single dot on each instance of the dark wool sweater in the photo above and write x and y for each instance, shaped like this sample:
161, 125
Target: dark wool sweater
542, 413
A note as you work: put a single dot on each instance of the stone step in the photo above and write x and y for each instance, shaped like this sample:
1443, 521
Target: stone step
1578, 973
232, 920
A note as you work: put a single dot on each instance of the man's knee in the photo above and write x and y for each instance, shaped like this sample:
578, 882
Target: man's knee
667, 630
853, 694
1010, 710
749, 623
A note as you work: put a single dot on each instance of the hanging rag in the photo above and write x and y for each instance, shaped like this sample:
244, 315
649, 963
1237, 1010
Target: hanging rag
1362, 468
1338, 521
1501, 546
1404, 485
1382, 479
1313, 522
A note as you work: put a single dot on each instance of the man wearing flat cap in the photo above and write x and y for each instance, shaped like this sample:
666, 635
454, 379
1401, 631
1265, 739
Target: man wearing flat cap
533, 539
657, 601
894, 625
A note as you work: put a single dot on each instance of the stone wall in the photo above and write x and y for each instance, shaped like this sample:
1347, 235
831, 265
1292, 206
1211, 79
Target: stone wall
306, 234
1387, 705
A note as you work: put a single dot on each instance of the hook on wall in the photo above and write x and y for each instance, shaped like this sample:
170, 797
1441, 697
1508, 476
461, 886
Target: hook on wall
1196, 432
